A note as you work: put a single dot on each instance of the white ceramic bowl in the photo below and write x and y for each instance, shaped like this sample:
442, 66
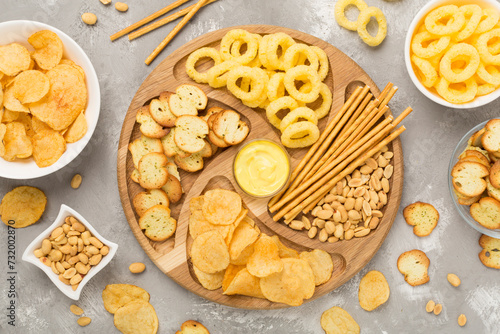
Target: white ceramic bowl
28, 255
19, 31
478, 101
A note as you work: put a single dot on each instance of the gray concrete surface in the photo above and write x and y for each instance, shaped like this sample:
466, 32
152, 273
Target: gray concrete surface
433, 132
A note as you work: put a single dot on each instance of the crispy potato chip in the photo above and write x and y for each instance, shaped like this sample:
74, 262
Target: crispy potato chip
1, 99
373, 290
229, 275
72, 63
66, 99
290, 286
22, 206
245, 284
77, 130
14, 58
136, 317
321, 264
48, 49
6, 81
48, 147
265, 259
284, 251
196, 203
242, 260
209, 281
221, 207
337, 321
209, 252
3, 129
26, 120
30, 86
39, 126
243, 236
115, 296
199, 225
17, 144
9, 116
233, 226
10, 102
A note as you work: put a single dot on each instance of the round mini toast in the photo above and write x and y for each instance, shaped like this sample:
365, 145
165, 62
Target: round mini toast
146, 200
153, 171
468, 178
491, 136
495, 174
486, 212
189, 133
422, 216
157, 223
490, 255
160, 110
413, 265
149, 127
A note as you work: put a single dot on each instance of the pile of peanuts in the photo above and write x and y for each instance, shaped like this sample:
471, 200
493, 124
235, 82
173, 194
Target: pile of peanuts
353, 207
70, 251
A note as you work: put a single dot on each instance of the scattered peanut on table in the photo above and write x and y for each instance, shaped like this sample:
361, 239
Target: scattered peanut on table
137, 267
462, 320
89, 18
105, 2
84, 321
76, 310
121, 7
352, 209
437, 309
453, 279
430, 306
76, 181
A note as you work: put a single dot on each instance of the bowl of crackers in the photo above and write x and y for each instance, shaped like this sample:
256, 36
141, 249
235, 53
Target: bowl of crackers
451, 52
70, 252
49, 99
474, 178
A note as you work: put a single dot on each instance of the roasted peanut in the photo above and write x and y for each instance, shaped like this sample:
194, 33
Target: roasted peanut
137, 267
349, 234
329, 227
89, 19
75, 279
437, 309
69, 273
104, 250
323, 235
76, 310
81, 268
296, 225
77, 226
332, 239
312, 232
76, 181
38, 253
121, 7
462, 320
94, 260
84, 321
430, 306
453, 279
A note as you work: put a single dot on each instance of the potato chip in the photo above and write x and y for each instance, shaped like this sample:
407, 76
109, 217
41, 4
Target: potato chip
290, 286
242, 260
284, 251
77, 130
196, 203
17, 144
265, 259
66, 99
22, 206
209, 252
221, 207
10, 102
233, 226
243, 236
209, 281
30, 86
3, 129
14, 58
321, 264
38, 125
244, 284
337, 321
373, 290
115, 296
135, 317
199, 225
1, 99
26, 120
229, 275
9, 116
72, 63
48, 147
48, 49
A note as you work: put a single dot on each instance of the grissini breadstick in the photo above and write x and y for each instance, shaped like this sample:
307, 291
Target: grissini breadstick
291, 210
384, 93
147, 19
162, 22
174, 32
388, 97
313, 152
356, 114
402, 116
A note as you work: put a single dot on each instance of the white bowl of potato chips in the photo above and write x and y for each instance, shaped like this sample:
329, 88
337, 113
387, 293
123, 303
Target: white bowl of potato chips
455, 68
49, 99
57, 237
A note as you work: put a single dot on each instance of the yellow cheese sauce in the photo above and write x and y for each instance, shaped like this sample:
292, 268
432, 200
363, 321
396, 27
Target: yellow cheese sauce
261, 168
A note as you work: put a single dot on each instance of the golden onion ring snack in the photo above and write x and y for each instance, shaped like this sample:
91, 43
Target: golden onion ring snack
300, 134
454, 18
239, 34
306, 74
473, 14
460, 95
482, 47
364, 19
326, 96
296, 114
276, 86
342, 20
491, 19
285, 102
324, 66
428, 73
434, 44
258, 82
217, 75
268, 50
195, 57
292, 54
456, 51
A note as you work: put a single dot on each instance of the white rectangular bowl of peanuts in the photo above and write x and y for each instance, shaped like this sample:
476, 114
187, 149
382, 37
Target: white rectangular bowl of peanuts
79, 227
354, 206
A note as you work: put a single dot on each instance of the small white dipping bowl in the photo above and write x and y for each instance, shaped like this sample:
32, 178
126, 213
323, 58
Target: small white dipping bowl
419, 18
28, 255
19, 31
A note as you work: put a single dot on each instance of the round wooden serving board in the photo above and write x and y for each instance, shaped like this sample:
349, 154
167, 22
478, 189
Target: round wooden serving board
172, 256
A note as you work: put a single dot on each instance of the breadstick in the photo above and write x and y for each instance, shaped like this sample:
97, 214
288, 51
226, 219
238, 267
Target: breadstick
162, 22
174, 32
320, 146
403, 115
358, 112
311, 196
388, 97
147, 19
384, 93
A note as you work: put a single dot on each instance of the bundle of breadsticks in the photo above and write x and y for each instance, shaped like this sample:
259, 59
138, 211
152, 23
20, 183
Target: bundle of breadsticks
355, 134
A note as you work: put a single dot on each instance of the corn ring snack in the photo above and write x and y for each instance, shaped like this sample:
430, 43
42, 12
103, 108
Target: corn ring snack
425, 70
195, 57
460, 49
306, 74
260, 102
235, 35
485, 89
236, 50
472, 14
482, 47
456, 20
296, 114
268, 50
324, 65
217, 75
276, 87
285, 102
489, 74
491, 19
292, 55
326, 104
258, 83
457, 95
300, 134
342, 20
364, 19
438, 44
